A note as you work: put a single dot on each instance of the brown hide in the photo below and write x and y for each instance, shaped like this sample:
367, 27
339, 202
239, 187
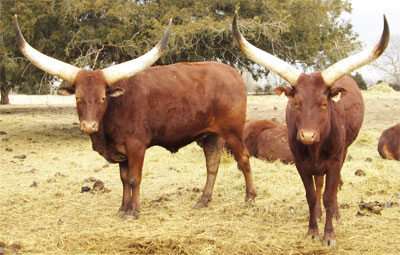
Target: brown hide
172, 106
389, 143
129, 107
319, 128
342, 119
265, 139
311, 107
91, 102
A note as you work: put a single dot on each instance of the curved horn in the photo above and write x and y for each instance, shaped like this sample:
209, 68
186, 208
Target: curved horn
277, 65
51, 65
134, 66
347, 65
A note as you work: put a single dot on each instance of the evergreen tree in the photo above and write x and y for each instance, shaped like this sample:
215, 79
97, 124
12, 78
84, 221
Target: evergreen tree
97, 33
360, 81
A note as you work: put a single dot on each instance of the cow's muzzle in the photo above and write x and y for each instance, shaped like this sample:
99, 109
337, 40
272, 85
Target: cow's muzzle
308, 137
89, 127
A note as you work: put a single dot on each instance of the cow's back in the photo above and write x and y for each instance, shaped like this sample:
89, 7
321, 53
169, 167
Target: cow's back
389, 143
265, 139
273, 144
353, 105
176, 104
252, 131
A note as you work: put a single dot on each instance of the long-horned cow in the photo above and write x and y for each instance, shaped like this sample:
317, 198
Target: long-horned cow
129, 107
320, 129
389, 143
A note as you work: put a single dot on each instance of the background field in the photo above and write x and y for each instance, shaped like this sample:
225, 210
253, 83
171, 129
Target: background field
45, 161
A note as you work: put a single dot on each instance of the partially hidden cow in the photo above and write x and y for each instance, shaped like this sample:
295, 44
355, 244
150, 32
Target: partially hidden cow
389, 143
265, 139
320, 128
129, 107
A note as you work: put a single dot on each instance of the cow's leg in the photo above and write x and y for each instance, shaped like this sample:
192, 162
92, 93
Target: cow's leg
311, 196
135, 153
127, 191
330, 194
242, 158
336, 213
319, 182
213, 154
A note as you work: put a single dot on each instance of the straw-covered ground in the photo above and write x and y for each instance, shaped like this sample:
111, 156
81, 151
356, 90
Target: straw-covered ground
45, 161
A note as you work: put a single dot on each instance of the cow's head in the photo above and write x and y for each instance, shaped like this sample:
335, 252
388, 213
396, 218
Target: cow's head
310, 95
310, 102
91, 88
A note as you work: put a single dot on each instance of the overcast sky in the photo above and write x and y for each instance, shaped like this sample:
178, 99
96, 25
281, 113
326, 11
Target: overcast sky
367, 19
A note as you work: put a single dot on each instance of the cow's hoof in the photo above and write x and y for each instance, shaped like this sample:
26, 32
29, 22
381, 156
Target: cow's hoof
313, 234
249, 203
329, 243
131, 215
199, 205
337, 216
312, 237
250, 198
120, 214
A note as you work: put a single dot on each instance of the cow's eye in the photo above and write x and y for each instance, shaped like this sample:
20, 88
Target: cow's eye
102, 99
324, 105
296, 105
78, 100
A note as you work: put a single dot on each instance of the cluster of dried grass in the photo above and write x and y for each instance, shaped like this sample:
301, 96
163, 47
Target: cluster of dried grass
55, 217
381, 87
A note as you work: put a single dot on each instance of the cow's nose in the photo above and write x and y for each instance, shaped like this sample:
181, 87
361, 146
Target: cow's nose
89, 127
308, 137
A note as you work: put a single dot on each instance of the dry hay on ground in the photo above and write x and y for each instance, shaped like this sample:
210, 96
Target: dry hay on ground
43, 210
381, 87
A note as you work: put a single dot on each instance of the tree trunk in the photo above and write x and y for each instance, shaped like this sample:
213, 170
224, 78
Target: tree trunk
4, 96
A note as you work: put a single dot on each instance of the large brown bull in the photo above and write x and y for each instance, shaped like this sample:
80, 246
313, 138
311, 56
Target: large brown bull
265, 139
389, 143
320, 129
129, 107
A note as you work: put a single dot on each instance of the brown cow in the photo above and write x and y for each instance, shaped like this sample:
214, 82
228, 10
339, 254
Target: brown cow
320, 129
389, 143
125, 112
265, 139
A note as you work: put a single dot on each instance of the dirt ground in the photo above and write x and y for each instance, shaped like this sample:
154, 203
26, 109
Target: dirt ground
45, 162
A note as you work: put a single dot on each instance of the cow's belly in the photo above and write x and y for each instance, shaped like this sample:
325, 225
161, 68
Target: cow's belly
174, 143
180, 131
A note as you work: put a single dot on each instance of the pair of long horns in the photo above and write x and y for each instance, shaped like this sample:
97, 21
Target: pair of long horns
112, 74
291, 74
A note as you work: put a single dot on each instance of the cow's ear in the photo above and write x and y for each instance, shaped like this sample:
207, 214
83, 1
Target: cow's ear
66, 91
289, 92
336, 93
115, 92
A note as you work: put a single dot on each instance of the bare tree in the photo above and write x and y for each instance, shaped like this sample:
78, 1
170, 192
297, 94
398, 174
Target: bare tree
389, 61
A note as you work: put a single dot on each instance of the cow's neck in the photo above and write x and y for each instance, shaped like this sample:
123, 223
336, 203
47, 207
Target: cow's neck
330, 146
104, 144
99, 141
